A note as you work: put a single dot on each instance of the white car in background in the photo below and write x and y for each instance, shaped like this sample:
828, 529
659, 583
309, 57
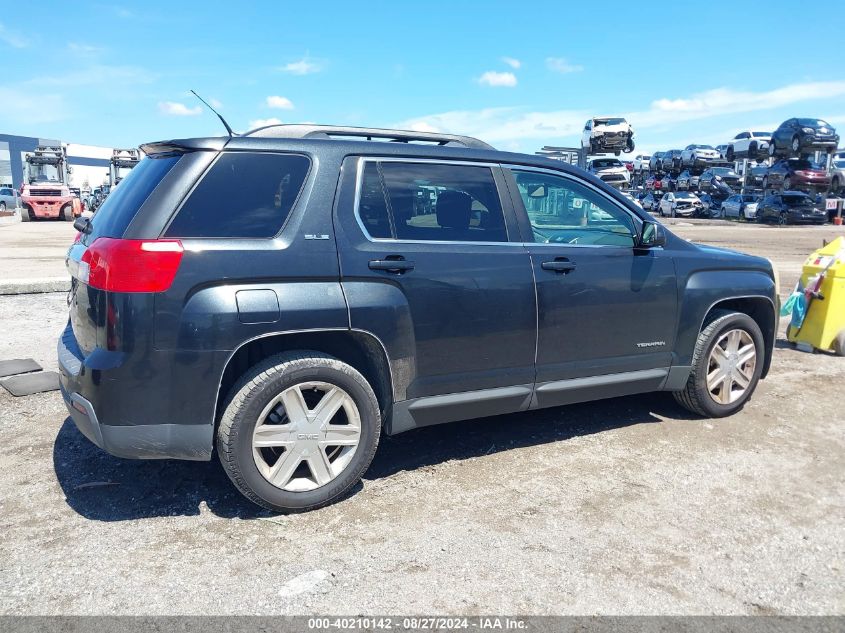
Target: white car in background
752, 145
641, 162
607, 134
699, 156
680, 203
610, 170
837, 173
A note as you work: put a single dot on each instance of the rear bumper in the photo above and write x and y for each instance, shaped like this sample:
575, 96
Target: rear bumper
106, 407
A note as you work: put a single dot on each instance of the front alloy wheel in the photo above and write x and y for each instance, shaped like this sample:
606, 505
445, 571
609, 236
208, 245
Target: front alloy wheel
726, 365
731, 366
796, 144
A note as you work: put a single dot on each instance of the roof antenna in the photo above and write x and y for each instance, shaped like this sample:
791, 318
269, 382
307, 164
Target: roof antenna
226, 125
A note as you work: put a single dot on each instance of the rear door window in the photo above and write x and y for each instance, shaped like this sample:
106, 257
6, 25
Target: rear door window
243, 195
427, 201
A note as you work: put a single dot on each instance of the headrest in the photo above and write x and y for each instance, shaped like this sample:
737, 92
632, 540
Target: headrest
454, 209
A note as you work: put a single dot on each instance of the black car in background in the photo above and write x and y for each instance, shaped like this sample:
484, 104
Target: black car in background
791, 207
655, 162
715, 176
671, 160
712, 204
803, 136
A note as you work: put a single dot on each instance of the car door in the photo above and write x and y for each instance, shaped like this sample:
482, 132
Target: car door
606, 311
428, 267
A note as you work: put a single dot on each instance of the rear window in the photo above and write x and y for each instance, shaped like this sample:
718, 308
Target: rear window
116, 213
243, 195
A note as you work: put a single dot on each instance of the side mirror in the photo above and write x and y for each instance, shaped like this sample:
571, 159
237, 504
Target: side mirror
652, 235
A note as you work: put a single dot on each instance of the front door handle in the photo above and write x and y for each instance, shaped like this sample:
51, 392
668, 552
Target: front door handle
392, 264
559, 265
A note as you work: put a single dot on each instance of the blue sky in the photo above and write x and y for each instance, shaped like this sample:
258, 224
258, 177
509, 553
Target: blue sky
519, 75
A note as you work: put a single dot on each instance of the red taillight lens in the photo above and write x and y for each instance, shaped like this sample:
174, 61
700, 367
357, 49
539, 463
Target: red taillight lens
132, 265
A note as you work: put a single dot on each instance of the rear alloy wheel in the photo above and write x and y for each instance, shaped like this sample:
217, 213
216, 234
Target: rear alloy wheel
787, 184
726, 366
796, 144
783, 218
298, 431
772, 149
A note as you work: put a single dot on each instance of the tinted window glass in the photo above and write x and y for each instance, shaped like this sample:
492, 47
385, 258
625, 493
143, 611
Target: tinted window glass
438, 202
563, 211
244, 194
372, 208
116, 213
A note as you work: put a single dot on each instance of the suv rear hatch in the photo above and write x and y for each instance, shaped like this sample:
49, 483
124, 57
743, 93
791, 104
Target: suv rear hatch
102, 261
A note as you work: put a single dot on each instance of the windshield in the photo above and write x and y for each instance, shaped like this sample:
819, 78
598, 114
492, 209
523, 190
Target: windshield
796, 200
801, 163
604, 163
683, 195
701, 147
812, 123
616, 121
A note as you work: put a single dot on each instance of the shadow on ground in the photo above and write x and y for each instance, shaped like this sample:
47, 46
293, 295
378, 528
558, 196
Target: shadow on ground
105, 488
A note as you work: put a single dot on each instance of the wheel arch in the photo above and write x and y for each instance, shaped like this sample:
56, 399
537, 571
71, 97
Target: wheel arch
360, 349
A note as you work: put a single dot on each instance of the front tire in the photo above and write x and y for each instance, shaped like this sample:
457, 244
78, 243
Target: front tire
796, 144
726, 366
67, 213
298, 431
26, 214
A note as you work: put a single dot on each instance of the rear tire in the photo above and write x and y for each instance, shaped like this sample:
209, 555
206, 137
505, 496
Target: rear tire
2, 207
315, 479
729, 155
796, 144
26, 214
67, 213
720, 326
773, 150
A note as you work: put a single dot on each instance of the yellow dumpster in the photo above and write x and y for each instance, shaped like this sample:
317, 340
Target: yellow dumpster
823, 279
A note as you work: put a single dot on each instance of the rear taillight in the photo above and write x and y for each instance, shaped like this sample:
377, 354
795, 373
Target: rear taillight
131, 265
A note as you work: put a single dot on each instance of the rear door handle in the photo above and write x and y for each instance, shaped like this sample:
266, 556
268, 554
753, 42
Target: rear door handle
559, 265
396, 265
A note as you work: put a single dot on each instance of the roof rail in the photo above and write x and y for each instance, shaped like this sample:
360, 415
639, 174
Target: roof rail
365, 133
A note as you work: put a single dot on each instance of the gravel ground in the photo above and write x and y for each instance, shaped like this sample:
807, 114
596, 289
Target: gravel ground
625, 506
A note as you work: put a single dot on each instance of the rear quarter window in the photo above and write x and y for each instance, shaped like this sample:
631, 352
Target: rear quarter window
243, 195
117, 212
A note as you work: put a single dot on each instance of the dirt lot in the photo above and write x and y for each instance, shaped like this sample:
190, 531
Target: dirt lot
625, 506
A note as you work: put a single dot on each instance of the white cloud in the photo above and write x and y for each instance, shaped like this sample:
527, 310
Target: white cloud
498, 80
30, 107
83, 49
512, 62
304, 66
12, 38
264, 122
280, 103
215, 103
508, 125
561, 65
178, 109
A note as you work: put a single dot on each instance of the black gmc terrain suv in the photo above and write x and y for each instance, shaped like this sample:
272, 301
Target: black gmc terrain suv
289, 295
